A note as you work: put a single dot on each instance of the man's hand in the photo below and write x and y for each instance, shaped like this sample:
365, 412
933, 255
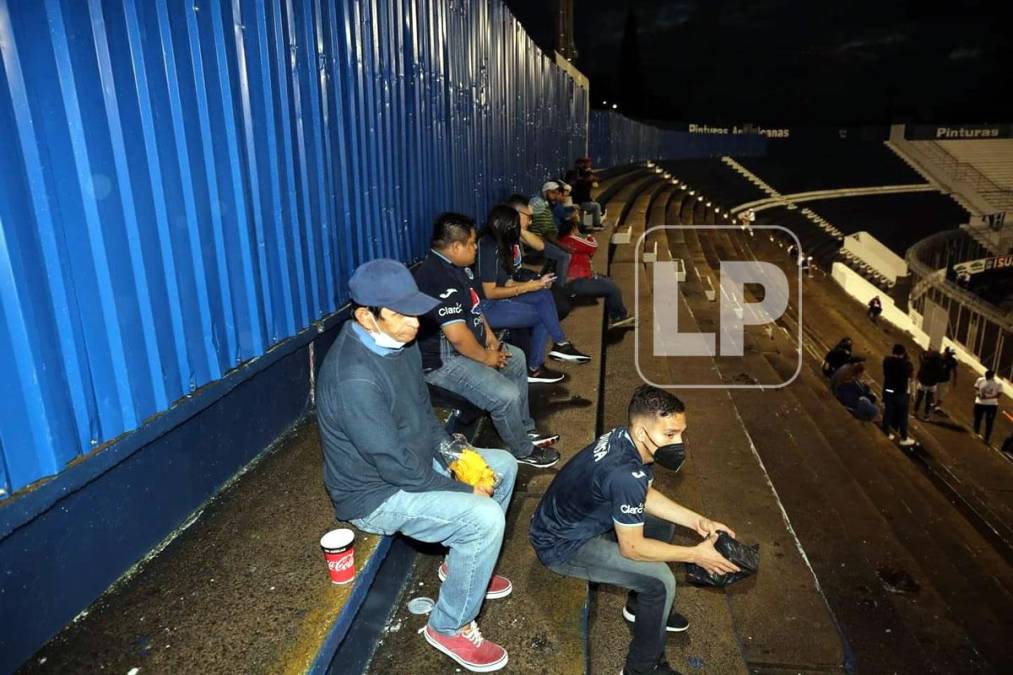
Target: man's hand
496, 359
492, 342
545, 280
707, 557
482, 492
705, 527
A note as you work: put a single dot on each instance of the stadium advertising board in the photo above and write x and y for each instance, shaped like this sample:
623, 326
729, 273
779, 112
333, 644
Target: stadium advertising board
956, 132
984, 264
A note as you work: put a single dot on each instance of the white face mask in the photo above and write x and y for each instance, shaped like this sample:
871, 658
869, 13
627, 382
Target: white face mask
382, 339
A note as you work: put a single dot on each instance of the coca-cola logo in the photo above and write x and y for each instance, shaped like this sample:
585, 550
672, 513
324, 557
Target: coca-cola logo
342, 564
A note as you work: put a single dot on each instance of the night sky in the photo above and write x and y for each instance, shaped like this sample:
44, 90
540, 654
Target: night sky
787, 62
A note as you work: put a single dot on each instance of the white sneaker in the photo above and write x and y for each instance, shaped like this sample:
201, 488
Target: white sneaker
906, 442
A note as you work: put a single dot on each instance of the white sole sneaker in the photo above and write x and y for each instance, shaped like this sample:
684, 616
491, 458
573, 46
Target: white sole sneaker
489, 595
489, 668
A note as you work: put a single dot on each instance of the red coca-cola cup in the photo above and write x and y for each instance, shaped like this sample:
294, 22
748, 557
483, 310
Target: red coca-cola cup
339, 552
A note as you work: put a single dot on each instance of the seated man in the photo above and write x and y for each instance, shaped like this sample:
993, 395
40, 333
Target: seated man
585, 283
582, 178
382, 467
460, 352
553, 253
601, 520
543, 219
853, 393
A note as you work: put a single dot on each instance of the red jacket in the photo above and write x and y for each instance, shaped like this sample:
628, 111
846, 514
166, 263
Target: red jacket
581, 251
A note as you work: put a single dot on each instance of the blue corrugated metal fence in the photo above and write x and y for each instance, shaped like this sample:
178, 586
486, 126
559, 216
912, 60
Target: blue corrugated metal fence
184, 183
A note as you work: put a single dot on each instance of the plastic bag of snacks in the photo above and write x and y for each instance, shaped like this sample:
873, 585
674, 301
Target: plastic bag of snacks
466, 464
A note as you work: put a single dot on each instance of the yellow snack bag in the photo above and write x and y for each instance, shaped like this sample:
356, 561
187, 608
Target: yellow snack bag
470, 468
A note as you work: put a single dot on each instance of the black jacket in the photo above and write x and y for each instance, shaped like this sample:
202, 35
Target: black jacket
896, 374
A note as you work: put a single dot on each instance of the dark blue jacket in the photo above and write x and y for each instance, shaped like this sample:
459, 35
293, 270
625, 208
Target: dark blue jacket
377, 425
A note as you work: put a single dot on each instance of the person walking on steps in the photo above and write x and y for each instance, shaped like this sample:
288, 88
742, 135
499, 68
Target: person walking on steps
897, 371
987, 391
949, 378
930, 373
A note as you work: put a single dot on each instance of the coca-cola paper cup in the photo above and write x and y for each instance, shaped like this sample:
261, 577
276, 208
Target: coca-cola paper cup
339, 552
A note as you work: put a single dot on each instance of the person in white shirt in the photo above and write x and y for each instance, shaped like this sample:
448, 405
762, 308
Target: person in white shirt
987, 391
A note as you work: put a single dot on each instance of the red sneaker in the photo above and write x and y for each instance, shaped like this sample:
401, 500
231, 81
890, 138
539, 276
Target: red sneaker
469, 649
499, 587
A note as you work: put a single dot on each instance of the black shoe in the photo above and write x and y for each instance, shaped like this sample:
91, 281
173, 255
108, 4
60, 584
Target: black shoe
564, 351
540, 458
626, 322
543, 440
660, 668
676, 622
544, 374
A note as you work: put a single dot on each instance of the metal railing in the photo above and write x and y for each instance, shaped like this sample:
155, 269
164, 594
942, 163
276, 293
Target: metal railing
979, 326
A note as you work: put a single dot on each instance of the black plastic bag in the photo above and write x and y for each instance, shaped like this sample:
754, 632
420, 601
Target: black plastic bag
746, 558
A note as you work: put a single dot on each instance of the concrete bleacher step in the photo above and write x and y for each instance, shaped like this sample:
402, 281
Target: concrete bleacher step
243, 589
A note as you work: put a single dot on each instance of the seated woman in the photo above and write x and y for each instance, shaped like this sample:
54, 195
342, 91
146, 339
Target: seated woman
582, 282
855, 395
508, 303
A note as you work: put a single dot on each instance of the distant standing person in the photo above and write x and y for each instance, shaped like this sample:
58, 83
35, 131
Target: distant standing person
987, 391
897, 371
949, 375
930, 374
875, 308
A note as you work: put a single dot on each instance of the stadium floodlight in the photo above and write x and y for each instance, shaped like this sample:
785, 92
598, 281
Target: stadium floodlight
700, 198
692, 192
615, 106
708, 203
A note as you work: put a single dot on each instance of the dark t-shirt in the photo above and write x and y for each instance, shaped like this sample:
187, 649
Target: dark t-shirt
603, 485
896, 374
456, 289
488, 266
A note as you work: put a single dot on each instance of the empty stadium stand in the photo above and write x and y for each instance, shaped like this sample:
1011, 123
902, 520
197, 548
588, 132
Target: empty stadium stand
807, 166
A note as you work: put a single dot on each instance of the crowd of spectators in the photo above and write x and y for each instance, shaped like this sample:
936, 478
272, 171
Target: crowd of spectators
451, 324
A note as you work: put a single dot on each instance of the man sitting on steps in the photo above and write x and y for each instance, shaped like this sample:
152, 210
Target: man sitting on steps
602, 520
382, 465
460, 352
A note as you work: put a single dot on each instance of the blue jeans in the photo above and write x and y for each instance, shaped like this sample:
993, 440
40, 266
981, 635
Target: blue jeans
469, 525
594, 208
504, 393
535, 310
598, 286
895, 412
652, 584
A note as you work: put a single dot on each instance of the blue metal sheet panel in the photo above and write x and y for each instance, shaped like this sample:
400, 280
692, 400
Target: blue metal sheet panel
185, 183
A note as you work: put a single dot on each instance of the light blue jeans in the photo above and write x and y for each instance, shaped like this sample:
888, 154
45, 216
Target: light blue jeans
469, 525
504, 393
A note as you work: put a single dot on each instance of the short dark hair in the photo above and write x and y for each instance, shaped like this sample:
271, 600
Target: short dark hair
989, 374
450, 227
375, 311
898, 350
517, 200
652, 401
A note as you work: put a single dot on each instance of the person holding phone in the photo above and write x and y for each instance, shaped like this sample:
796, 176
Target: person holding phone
460, 352
508, 303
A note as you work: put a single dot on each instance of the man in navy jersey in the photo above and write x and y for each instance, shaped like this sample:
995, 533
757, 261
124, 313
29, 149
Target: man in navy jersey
602, 520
